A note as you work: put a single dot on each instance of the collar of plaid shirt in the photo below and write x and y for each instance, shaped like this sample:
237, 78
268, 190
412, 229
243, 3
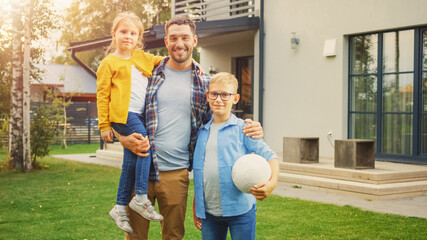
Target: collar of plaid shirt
200, 113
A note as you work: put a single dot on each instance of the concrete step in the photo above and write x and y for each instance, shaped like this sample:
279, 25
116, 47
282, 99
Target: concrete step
358, 189
109, 155
116, 146
382, 174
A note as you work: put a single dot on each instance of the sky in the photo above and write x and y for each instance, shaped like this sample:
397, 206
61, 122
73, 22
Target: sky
62, 4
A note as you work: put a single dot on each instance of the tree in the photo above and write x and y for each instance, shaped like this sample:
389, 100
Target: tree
90, 19
16, 114
39, 24
26, 88
49, 124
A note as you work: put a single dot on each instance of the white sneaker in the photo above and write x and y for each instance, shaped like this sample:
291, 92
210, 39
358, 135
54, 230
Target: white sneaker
146, 210
122, 220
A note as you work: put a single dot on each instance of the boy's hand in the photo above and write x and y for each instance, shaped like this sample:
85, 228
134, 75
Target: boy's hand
135, 142
254, 129
107, 135
197, 220
263, 190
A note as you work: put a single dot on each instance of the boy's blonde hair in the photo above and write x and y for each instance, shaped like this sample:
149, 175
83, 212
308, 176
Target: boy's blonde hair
122, 17
227, 78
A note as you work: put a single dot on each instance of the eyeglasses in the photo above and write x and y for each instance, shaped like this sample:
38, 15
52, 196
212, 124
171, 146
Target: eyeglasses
224, 96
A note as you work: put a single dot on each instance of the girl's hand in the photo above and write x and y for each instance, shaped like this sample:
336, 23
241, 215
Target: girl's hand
107, 135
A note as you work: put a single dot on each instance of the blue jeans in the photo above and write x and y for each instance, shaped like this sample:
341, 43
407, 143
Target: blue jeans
242, 227
134, 168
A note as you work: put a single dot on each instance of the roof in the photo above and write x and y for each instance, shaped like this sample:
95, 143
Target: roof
72, 77
154, 36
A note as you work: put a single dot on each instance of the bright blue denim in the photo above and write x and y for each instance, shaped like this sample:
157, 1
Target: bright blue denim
242, 227
134, 168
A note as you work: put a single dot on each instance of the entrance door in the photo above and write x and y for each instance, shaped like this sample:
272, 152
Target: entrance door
244, 73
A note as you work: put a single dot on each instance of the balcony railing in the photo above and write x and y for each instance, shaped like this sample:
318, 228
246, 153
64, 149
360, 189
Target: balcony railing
208, 10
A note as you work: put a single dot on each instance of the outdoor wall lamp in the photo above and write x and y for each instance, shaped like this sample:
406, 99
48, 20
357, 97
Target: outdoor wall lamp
212, 70
294, 41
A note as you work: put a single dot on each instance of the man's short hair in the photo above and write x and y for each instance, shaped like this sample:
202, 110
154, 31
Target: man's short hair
226, 78
180, 20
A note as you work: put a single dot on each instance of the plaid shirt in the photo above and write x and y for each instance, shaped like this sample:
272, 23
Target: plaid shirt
200, 111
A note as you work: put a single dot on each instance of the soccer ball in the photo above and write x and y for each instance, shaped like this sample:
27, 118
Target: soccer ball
249, 170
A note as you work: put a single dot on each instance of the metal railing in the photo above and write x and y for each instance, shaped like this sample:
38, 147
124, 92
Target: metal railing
207, 10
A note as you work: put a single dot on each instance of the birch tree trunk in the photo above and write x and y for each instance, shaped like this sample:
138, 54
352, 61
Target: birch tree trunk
26, 88
16, 114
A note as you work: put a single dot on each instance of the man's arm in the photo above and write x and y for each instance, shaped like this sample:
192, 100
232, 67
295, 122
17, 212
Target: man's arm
135, 142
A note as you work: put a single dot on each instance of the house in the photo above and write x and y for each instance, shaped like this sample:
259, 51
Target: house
71, 81
330, 69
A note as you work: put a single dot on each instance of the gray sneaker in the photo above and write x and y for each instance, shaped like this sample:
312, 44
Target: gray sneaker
146, 210
122, 220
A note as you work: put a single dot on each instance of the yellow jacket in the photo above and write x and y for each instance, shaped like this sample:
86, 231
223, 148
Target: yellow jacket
114, 83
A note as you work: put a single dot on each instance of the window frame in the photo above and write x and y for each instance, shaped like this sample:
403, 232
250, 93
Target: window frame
417, 156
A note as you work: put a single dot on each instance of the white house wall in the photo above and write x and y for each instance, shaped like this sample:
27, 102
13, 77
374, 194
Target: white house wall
218, 52
305, 93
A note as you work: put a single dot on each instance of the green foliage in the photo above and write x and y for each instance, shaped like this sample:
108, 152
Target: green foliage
90, 19
46, 125
44, 20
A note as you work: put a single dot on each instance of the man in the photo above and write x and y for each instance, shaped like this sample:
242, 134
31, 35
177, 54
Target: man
176, 108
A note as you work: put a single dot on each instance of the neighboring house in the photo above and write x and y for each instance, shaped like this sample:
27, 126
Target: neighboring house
354, 69
71, 81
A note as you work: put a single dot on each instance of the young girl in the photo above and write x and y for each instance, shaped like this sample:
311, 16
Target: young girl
122, 81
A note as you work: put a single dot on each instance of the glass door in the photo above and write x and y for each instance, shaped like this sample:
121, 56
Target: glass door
244, 74
398, 92
423, 67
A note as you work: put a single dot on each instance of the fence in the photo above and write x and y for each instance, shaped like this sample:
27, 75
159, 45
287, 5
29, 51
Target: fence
82, 124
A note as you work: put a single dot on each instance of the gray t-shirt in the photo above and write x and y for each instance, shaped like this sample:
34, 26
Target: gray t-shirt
211, 174
174, 113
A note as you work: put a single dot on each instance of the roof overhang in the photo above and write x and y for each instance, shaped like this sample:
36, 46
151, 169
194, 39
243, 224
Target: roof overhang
154, 36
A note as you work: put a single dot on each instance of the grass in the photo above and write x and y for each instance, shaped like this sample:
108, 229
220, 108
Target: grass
71, 200
75, 148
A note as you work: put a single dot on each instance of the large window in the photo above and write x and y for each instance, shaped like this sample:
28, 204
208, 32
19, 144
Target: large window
388, 91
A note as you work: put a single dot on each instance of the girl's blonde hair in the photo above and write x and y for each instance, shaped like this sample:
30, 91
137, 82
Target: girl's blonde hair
122, 17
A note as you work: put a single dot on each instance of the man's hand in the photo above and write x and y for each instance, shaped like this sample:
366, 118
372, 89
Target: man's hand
254, 129
107, 135
263, 190
135, 142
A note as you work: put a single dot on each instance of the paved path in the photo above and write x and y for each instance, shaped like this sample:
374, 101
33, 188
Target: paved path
410, 206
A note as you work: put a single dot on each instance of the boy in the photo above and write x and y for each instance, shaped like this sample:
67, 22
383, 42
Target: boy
218, 204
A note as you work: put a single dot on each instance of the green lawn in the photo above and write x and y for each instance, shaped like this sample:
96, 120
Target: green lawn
71, 200
75, 148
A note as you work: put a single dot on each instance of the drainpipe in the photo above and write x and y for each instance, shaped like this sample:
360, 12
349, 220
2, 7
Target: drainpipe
261, 61
84, 66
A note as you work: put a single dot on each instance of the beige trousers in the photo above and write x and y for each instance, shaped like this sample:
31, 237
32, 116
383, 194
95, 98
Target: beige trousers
171, 195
